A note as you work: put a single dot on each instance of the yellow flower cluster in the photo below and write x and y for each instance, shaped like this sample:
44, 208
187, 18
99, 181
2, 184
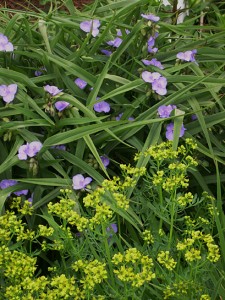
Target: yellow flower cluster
148, 237
205, 297
23, 208
133, 267
165, 260
186, 199
94, 272
45, 231
65, 210
192, 254
178, 288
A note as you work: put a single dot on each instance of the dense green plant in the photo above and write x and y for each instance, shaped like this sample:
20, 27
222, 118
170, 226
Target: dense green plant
58, 134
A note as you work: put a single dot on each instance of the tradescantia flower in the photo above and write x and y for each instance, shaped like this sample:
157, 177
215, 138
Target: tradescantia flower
52, 90
5, 45
79, 182
91, 26
170, 131
106, 52
29, 150
158, 82
8, 92
117, 41
153, 62
112, 228
105, 160
102, 106
151, 17
5, 183
120, 116
61, 105
80, 83
187, 55
164, 111
151, 43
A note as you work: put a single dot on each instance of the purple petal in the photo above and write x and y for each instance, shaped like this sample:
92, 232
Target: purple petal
22, 152
61, 105
33, 148
105, 160
102, 106
106, 52
151, 17
52, 90
80, 83
150, 77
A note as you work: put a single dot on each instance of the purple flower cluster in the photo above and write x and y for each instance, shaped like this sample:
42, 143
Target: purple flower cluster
5, 45
170, 131
153, 62
29, 150
52, 90
91, 26
5, 183
61, 105
187, 55
158, 82
8, 92
151, 17
79, 182
164, 111
80, 83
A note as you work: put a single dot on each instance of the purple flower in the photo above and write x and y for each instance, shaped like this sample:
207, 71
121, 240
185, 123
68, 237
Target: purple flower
39, 72
117, 41
5, 45
102, 106
5, 183
159, 86
187, 55
106, 52
59, 147
61, 105
164, 111
112, 228
152, 50
194, 117
158, 82
29, 150
79, 182
151, 17
151, 41
150, 77
153, 62
120, 116
8, 92
90, 26
52, 90
170, 131
80, 83
105, 160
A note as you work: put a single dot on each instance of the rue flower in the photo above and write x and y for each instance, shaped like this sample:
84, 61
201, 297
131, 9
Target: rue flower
91, 26
8, 92
79, 182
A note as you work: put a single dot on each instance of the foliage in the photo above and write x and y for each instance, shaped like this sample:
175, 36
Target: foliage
77, 94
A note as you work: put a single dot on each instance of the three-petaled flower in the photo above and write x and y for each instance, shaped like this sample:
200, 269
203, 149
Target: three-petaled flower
61, 105
91, 26
158, 82
187, 55
5, 45
8, 92
29, 150
151, 17
5, 183
102, 106
170, 131
52, 90
79, 182
80, 83
164, 111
